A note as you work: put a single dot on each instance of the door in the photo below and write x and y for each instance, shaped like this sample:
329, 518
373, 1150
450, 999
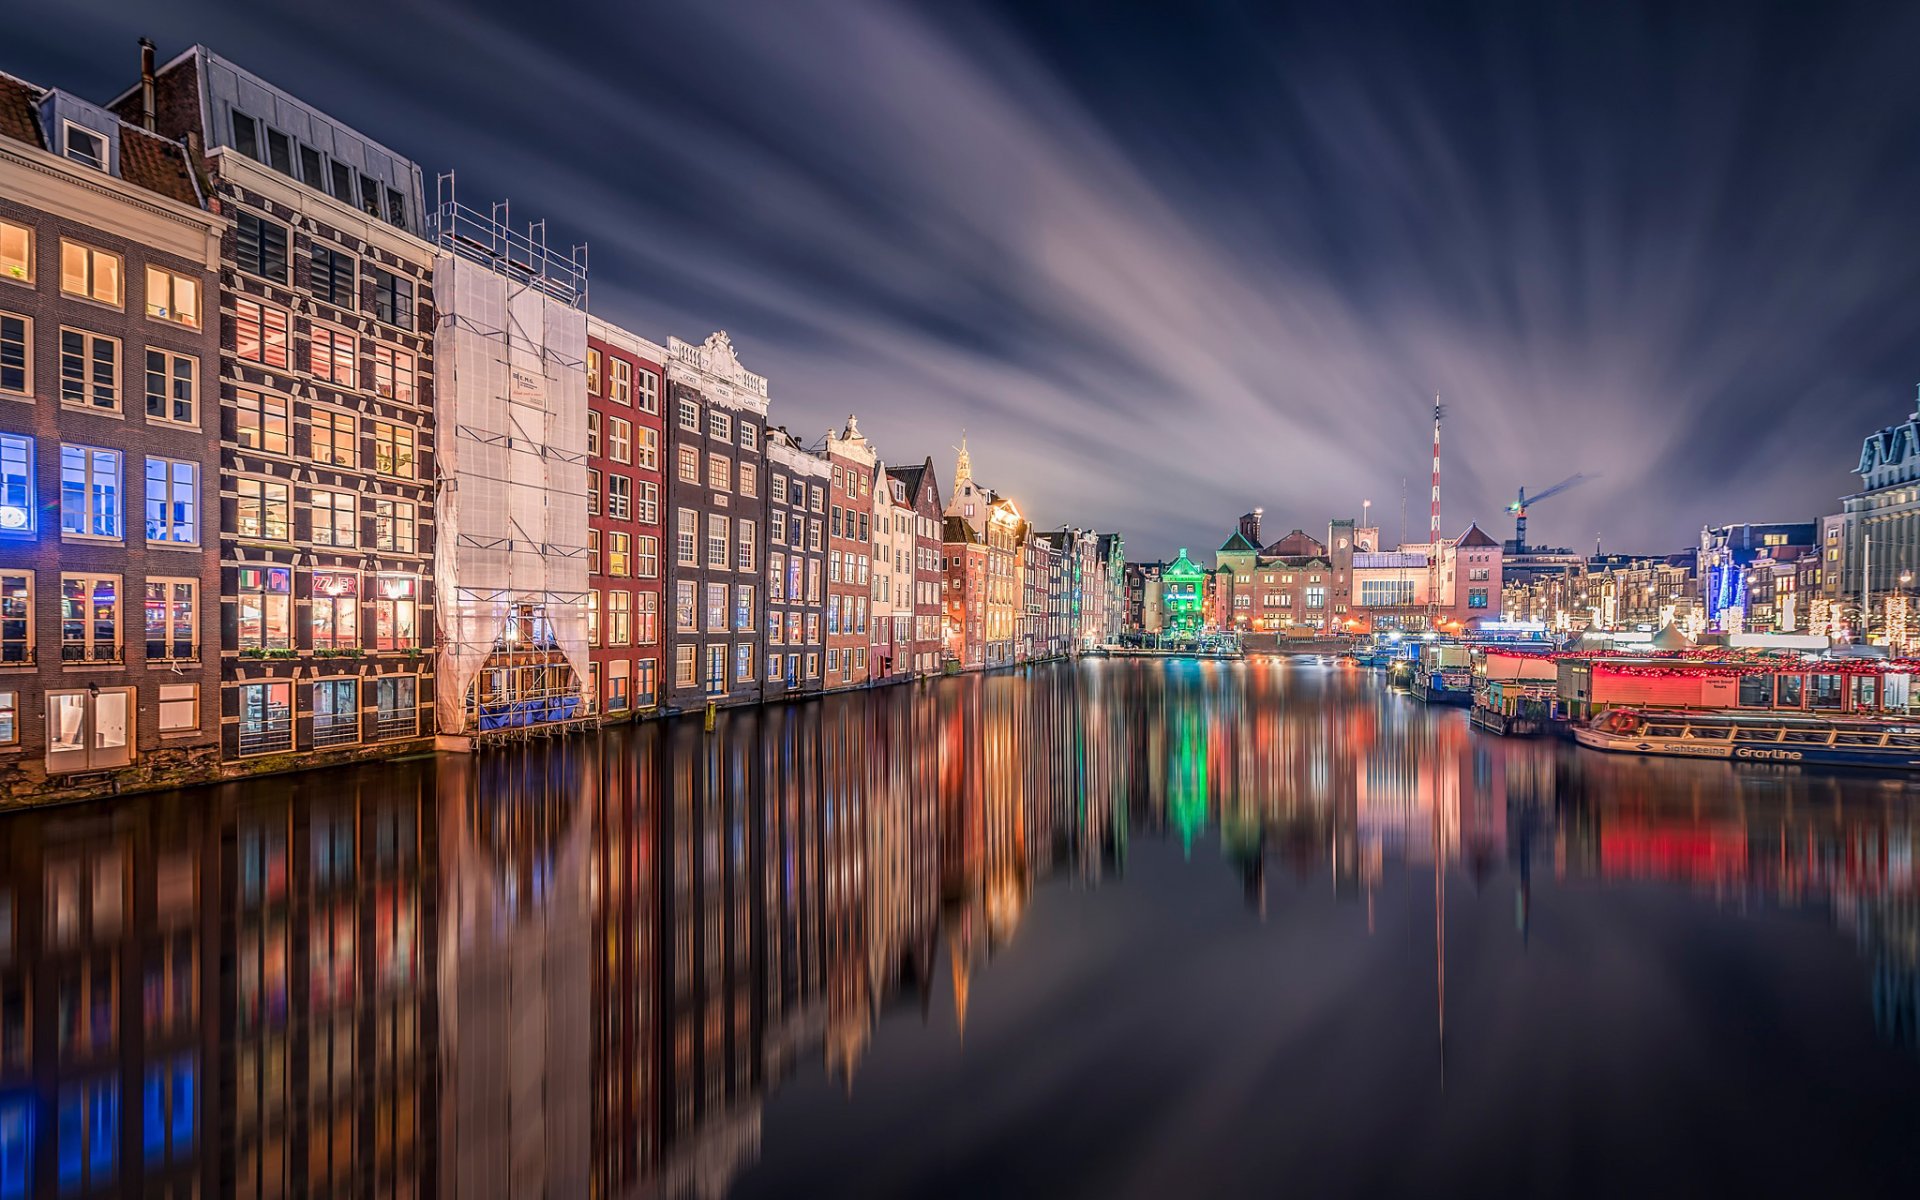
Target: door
89, 730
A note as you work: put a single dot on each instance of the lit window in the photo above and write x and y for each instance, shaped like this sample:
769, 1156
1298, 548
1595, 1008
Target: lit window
335, 518
593, 370
17, 507
622, 390
89, 618
393, 525
172, 622
393, 374
89, 492
334, 611
260, 421
16, 617
593, 434
173, 297
330, 356
263, 509
260, 333
16, 252
719, 473
396, 612
89, 370
619, 553
393, 449
647, 453
334, 438
173, 502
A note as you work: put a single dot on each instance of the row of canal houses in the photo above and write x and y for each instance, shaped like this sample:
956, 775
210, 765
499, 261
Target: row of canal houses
298, 467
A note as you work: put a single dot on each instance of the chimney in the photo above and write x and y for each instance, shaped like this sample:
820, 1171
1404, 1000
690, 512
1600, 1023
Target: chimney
146, 84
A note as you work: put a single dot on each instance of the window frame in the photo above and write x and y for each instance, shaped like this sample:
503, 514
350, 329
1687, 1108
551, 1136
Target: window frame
170, 362
174, 280
90, 283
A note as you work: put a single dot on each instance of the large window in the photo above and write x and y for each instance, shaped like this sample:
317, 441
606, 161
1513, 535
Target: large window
743, 620
335, 611
395, 709
260, 421
89, 618
16, 252
173, 297
646, 629
91, 274
335, 518
396, 612
393, 373
619, 553
686, 666
89, 370
719, 472
266, 718
688, 464
263, 509
90, 492
16, 355
336, 712
393, 449
746, 544
173, 387
647, 450
260, 334
685, 606
393, 526
647, 508
333, 276
17, 506
619, 618
335, 438
16, 616
619, 497
686, 549
717, 540
716, 608
392, 298
173, 631
646, 558
688, 414
173, 502
330, 356
264, 600
619, 440
260, 247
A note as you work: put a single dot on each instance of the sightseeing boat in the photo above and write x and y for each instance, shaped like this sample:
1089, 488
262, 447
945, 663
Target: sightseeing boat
1888, 744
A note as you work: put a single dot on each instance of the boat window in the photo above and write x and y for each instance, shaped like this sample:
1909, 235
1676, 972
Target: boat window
1756, 691
1903, 741
1787, 694
1759, 733
1809, 737
1667, 731
1863, 692
1709, 733
1895, 690
1824, 691
1858, 739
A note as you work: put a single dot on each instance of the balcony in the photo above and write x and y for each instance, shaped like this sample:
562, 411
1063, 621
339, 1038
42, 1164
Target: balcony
82, 654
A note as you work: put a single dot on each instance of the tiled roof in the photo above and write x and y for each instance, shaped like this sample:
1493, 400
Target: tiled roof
17, 98
150, 161
957, 530
1296, 543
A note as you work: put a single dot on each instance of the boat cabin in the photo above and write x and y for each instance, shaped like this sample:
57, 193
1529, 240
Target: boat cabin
1590, 686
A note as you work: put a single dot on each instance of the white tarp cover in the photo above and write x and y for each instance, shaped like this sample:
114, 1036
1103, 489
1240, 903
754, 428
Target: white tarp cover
510, 410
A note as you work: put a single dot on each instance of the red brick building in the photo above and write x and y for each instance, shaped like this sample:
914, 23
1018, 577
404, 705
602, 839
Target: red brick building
965, 562
849, 557
624, 438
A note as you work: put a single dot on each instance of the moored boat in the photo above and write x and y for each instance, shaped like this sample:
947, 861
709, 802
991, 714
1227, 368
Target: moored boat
1890, 744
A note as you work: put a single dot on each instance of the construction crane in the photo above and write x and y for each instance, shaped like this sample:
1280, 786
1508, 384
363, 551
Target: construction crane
1519, 508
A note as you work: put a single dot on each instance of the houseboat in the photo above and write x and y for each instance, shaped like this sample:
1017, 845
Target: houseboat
1515, 693
1444, 673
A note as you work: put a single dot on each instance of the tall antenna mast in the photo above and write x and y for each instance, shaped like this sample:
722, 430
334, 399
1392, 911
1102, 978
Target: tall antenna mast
1433, 530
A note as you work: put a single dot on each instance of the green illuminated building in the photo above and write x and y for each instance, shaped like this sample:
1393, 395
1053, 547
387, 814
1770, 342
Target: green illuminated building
1183, 597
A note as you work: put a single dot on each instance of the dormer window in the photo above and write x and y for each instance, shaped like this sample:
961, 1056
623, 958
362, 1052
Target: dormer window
86, 147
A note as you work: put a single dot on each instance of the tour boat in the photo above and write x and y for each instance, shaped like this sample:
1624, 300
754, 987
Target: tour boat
1891, 744
1444, 674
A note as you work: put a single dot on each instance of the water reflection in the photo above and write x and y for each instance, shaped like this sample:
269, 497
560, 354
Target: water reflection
582, 968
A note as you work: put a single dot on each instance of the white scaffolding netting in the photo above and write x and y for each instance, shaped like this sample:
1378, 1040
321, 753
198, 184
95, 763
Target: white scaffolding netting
510, 406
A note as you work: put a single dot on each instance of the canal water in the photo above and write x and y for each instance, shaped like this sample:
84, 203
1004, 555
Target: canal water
1121, 928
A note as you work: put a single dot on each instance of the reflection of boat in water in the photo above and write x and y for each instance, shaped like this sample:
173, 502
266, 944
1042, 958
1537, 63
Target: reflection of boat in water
1892, 745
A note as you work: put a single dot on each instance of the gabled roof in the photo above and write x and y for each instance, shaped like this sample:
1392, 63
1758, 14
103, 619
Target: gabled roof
912, 476
150, 161
1476, 538
1238, 544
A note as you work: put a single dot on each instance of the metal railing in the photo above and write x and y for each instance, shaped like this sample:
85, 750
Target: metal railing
335, 729
271, 736
393, 724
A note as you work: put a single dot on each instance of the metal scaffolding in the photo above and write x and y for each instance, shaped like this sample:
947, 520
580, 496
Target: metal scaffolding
510, 407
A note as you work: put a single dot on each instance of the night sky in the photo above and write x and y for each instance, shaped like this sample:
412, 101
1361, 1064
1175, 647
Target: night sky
1165, 266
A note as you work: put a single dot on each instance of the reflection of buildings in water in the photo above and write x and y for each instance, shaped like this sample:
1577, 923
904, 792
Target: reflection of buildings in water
515, 971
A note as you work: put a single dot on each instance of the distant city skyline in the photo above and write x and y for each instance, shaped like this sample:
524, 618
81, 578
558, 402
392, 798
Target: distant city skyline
1166, 267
